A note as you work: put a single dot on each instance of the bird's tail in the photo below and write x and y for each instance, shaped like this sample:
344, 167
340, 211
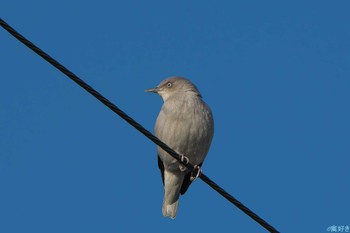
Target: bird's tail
170, 210
172, 187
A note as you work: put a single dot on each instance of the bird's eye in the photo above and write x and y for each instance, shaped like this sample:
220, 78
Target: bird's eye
169, 84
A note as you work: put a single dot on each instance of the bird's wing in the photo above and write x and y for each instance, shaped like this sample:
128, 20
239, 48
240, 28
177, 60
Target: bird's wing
161, 168
187, 182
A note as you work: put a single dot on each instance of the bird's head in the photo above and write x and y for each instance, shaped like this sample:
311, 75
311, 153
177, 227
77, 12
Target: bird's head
174, 86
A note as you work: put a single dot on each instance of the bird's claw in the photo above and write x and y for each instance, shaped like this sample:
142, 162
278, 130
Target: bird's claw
197, 170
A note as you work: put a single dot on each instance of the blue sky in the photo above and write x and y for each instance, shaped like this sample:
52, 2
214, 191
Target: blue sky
276, 76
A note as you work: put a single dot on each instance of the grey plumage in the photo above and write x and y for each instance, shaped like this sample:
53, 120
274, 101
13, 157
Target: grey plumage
185, 123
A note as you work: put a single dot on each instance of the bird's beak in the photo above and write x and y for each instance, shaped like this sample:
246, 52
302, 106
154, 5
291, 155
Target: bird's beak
154, 90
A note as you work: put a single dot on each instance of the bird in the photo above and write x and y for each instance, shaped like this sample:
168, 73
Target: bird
185, 123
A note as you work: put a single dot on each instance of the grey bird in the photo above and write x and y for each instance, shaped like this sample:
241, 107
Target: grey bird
185, 123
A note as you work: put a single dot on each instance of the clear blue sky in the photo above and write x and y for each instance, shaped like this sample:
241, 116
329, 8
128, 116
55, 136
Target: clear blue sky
276, 76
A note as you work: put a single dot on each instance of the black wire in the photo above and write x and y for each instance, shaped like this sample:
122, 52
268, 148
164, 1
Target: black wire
132, 122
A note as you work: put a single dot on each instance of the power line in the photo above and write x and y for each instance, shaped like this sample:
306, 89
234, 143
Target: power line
136, 125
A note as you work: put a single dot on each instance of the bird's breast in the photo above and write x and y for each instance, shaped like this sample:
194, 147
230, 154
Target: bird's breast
186, 127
